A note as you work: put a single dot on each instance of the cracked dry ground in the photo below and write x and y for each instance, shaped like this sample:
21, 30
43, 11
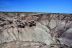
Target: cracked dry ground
35, 30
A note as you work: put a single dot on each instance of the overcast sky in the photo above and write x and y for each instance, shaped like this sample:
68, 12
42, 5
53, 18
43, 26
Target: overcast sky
51, 6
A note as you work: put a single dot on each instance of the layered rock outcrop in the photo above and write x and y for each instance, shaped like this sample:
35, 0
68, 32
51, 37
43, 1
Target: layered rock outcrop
33, 30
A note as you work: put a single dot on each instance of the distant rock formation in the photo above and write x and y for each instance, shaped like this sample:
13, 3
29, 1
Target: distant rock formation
33, 30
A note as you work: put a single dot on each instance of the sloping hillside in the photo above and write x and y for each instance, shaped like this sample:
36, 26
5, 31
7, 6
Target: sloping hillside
35, 30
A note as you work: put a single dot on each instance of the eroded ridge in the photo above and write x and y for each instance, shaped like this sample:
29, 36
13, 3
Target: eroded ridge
53, 29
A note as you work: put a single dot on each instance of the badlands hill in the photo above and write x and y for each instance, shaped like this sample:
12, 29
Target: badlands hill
35, 30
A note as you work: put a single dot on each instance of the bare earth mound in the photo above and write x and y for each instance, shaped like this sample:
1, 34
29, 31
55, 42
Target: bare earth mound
35, 30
